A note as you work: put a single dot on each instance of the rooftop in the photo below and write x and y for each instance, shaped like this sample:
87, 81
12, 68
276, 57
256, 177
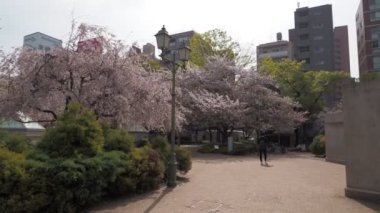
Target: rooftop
39, 33
272, 44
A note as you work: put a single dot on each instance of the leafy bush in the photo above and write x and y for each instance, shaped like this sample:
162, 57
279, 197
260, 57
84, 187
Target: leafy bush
16, 192
76, 132
142, 142
117, 139
162, 145
15, 142
243, 147
183, 157
151, 168
69, 169
239, 148
208, 148
317, 147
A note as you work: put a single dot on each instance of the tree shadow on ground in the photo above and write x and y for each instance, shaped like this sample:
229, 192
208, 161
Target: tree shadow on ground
156, 196
222, 158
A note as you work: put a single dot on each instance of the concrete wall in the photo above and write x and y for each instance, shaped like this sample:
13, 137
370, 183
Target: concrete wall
334, 133
361, 117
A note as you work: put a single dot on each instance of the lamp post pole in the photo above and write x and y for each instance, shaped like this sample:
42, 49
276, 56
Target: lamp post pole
163, 40
172, 182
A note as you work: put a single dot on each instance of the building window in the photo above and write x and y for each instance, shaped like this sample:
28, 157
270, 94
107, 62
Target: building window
304, 37
319, 49
303, 49
318, 26
375, 33
306, 60
303, 25
376, 62
182, 41
374, 4
375, 16
320, 63
317, 38
303, 13
375, 46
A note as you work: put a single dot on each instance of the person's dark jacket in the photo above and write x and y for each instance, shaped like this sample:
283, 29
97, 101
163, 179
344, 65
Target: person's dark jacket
262, 144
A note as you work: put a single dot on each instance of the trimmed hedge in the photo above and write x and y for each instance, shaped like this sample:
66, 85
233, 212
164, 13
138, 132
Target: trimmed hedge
239, 148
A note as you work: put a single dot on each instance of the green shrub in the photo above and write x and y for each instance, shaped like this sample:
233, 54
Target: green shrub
208, 148
317, 147
183, 158
16, 191
243, 147
239, 148
119, 140
12, 172
69, 170
69, 184
15, 142
149, 168
76, 132
162, 145
142, 142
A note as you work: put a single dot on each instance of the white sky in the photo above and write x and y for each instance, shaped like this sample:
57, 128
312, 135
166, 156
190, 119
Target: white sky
247, 21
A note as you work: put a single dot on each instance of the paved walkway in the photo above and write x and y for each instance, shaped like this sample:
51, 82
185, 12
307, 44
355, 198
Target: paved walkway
217, 183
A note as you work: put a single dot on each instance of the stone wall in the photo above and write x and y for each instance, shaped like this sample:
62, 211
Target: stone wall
334, 133
361, 117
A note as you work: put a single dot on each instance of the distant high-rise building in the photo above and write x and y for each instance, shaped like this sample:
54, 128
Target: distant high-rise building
277, 50
341, 49
40, 41
368, 36
313, 37
149, 50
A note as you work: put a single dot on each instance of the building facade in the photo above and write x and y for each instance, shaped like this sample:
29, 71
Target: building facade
313, 37
277, 50
40, 41
368, 36
341, 49
149, 50
179, 40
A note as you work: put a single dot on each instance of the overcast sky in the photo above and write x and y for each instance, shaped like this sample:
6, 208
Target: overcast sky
247, 21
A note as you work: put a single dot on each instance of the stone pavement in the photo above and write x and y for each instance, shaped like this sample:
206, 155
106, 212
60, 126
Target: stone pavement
294, 182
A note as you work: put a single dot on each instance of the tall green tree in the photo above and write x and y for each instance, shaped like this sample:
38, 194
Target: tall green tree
217, 42
309, 88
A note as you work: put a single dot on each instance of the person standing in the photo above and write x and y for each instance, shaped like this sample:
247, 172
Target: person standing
263, 150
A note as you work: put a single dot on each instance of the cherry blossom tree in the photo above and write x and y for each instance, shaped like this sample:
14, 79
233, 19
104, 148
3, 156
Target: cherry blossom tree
226, 97
111, 82
265, 108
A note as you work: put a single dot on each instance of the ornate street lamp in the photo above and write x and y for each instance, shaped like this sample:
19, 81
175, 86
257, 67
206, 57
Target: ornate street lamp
163, 40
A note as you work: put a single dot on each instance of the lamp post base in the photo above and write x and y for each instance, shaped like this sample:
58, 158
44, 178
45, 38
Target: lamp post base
172, 172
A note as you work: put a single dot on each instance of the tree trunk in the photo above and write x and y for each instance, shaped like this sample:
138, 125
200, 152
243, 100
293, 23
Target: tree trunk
225, 135
210, 135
